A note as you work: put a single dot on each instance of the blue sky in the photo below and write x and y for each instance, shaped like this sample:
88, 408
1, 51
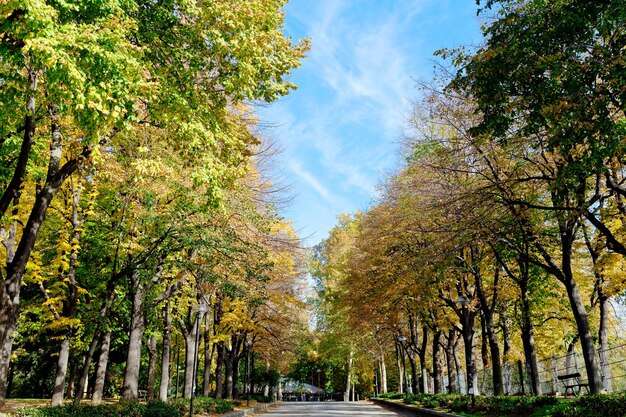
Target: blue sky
340, 130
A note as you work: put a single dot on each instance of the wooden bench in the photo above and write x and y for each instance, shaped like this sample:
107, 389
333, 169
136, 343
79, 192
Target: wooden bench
142, 394
572, 383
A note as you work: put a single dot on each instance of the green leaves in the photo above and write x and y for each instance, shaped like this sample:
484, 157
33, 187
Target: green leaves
544, 72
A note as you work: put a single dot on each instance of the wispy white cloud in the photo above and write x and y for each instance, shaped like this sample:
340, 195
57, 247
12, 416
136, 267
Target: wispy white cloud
341, 127
313, 182
357, 57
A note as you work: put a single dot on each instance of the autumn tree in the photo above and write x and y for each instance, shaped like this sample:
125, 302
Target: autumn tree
102, 67
545, 78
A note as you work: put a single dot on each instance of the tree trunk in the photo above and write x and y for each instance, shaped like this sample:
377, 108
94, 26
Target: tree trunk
565, 275
603, 342
59, 381
266, 387
152, 355
165, 356
236, 375
603, 305
437, 371
101, 369
71, 381
484, 349
584, 331
457, 367
494, 350
506, 367
228, 377
84, 375
137, 328
383, 374
219, 366
400, 369
190, 354
490, 351
571, 362
412, 386
528, 339
208, 357
470, 368
423, 382
346, 394
8, 319
30, 125
453, 383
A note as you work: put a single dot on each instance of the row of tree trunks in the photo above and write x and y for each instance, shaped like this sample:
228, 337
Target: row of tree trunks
228, 355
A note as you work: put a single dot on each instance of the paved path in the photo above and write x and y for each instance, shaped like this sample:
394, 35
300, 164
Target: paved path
332, 408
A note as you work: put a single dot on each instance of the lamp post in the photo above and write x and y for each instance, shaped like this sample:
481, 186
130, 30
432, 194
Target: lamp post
200, 309
249, 388
464, 302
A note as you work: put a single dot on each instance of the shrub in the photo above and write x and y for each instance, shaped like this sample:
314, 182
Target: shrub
261, 398
71, 410
522, 406
161, 409
181, 404
223, 407
177, 408
130, 408
204, 404
432, 400
602, 405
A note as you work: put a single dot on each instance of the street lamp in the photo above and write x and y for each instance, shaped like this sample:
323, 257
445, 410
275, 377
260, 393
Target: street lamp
249, 388
200, 309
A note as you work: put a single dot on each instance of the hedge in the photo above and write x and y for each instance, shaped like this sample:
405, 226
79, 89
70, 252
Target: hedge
602, 405
176, 408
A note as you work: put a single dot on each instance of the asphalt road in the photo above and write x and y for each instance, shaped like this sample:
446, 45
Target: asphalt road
332, 408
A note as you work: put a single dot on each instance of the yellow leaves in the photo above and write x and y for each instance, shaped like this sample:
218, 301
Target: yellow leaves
34, 270
236, 316
612, 268
313, 355
146, 168
64, 323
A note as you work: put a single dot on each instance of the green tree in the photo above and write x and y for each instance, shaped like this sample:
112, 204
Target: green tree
549, 77
75, 74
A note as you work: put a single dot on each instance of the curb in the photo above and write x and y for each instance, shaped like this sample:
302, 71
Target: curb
420, 412
248, 411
